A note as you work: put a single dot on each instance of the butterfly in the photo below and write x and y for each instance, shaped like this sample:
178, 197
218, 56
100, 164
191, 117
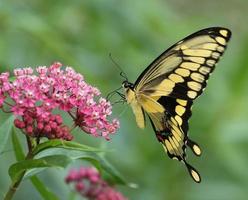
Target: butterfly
167, 88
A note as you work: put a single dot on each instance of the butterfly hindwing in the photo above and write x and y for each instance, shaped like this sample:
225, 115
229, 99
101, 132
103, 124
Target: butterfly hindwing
180, 111
171, 131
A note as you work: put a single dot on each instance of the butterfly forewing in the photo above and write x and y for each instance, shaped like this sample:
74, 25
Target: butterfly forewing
182, 70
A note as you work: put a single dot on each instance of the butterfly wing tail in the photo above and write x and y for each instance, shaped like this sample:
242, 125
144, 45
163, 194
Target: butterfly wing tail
194, 147
193, 172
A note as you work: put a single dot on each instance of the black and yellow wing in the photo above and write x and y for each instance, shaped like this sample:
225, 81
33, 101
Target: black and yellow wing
182, 70
167, 87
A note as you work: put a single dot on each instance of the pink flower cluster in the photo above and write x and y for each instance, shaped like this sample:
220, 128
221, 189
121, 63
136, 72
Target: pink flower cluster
34, 98
88, 183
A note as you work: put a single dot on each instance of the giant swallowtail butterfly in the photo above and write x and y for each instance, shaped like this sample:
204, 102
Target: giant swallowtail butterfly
167, 88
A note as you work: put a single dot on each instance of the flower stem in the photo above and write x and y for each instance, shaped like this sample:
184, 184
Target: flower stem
15, 184
13, 187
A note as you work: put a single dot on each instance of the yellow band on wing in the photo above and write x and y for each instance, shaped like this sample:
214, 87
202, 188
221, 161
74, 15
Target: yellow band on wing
150, 105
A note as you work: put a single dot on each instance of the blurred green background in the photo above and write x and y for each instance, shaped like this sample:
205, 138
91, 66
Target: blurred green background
82, 33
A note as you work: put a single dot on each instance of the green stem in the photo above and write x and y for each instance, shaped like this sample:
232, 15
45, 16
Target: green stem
13, 187
15, 184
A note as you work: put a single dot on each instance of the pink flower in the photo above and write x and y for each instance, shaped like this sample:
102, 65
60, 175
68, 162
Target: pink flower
38, 95
89, 184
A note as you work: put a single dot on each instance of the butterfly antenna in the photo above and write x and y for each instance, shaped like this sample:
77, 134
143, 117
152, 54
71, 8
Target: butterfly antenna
108, 97
122, 73
123, 111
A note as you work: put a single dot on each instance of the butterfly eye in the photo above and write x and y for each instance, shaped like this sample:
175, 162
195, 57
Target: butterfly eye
126, 84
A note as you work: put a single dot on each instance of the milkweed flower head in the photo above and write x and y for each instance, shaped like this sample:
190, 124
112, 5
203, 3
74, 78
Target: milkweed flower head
34, 96
88, 183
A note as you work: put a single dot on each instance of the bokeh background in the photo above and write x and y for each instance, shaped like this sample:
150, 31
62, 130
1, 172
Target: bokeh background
82, 33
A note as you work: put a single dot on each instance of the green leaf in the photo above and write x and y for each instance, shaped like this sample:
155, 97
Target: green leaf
19, 154
33, 172
42, 189
65, 145
75, 151
102, 164
55, 147
5, 130
98, 161
17, 169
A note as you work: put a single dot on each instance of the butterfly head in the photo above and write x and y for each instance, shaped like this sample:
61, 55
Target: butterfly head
129, 91
127, 85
